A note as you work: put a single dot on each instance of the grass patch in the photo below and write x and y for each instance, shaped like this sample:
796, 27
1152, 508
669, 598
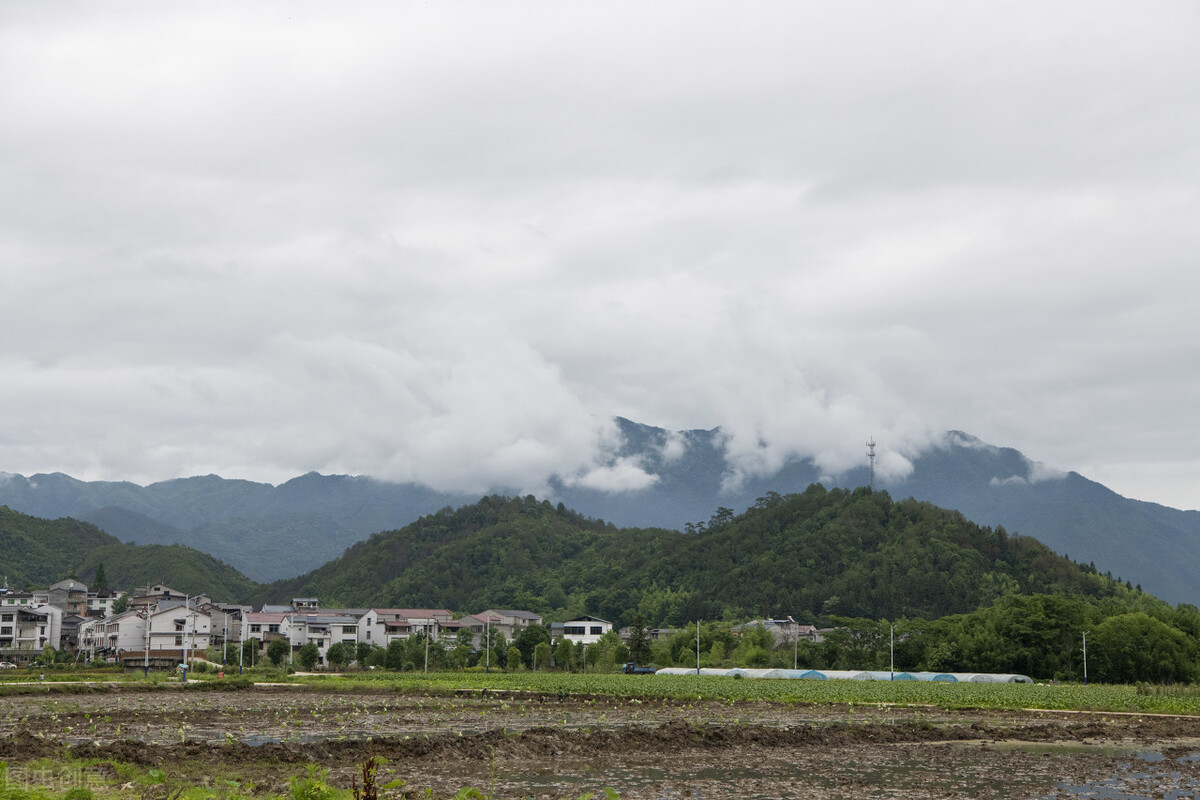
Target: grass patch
1058, 697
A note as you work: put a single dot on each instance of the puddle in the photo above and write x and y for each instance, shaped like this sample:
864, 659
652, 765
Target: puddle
1140, 752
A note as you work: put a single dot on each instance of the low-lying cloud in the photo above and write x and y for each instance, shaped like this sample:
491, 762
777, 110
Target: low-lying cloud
449, 246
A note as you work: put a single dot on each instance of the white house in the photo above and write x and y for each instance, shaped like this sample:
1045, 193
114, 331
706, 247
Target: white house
323, 630
15, 597
429, 620
513, 622
582, 629
30, 629
112, 635
226, 622
100, 603
175, 626
266, 625
380, 626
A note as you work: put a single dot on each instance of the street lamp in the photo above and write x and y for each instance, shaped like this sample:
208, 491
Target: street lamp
697, 647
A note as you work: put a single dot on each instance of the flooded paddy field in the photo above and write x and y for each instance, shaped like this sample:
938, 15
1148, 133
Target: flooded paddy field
511, 744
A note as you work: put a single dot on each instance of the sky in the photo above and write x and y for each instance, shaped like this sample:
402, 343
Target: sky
449, 242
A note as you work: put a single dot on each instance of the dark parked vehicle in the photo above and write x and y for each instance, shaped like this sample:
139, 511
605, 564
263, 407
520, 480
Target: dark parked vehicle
631, 668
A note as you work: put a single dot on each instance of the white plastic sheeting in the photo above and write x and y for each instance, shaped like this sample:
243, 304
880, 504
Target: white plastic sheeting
853, 675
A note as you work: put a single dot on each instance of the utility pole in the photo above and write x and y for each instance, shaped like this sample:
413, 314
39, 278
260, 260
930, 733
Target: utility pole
698, 647
192, 617
186, 606
427, 648
892, 650
146, 659
487, 628
241, 640
1085, 633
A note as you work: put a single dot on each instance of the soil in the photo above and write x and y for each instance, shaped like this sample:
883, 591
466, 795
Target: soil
544, 746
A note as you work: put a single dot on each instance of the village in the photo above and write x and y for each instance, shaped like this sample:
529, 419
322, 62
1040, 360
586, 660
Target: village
158, 627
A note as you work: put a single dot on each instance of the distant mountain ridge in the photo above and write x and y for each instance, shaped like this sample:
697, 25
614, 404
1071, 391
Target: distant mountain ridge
272, 532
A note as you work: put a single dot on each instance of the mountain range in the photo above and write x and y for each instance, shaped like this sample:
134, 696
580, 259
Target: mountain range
817, 553
38, 552
273, 532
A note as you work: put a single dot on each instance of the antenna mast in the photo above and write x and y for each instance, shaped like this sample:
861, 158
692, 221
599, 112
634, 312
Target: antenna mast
871, 461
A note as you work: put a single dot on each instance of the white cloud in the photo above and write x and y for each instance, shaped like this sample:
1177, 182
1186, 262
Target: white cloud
449, 244
674, 446
625, 474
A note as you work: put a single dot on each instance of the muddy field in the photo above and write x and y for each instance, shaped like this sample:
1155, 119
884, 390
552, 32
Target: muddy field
515, 745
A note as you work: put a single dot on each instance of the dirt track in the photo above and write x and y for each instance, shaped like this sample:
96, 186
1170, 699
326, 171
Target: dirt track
544, 746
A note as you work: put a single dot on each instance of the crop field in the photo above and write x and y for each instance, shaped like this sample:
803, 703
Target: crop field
567, 736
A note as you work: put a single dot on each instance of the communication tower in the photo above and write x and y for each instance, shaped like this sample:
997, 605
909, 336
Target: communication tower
871, 462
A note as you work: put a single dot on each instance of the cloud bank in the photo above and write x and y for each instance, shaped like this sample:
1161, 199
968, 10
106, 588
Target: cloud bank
449, 244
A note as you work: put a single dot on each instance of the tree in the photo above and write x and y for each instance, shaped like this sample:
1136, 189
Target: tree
362, 652
459, 655
277, 651
250, 651
514, 659
121, 604
308, 656
396, 655
498, 648
529, 638
1137, 647
541, 656
564, 655
639, 643
340, 654
101, 580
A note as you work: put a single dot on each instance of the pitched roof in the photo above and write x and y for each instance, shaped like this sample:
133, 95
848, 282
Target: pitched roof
517, 614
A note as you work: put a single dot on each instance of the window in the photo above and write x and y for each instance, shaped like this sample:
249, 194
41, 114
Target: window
6, 630
178, 641
256, 628
7, 617
350, 629
368, 634
597, 630
573, 630
273, 629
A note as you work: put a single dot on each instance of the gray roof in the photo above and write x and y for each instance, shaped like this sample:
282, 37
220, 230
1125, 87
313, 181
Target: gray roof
517, 614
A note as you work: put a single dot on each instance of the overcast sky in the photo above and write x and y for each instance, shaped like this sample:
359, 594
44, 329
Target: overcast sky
447, 242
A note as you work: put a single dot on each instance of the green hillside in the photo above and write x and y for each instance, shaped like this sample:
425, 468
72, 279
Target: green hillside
815, 554
37, 552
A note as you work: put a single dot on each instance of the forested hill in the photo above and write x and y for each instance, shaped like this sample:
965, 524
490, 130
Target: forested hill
37, 552
818, 553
